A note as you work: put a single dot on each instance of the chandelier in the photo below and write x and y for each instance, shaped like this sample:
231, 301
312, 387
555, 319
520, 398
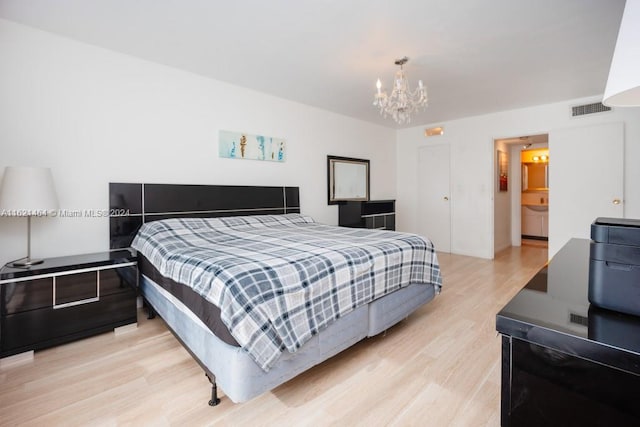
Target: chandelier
402, 101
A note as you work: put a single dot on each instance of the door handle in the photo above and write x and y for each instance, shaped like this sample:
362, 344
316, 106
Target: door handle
616, 201
446, 198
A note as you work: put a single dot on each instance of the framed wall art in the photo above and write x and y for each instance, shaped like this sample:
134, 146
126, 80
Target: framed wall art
240, 145
503, 171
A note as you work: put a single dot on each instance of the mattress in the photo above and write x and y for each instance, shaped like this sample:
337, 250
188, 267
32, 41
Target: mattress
207, 312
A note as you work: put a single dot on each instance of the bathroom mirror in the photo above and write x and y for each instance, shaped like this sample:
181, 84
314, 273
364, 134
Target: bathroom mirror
348, 179
535, 176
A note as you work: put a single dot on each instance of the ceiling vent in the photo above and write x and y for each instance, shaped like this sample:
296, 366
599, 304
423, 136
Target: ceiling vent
581, 110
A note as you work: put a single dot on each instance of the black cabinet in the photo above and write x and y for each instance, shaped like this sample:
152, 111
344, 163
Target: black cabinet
566, 362
379, 214
66, 298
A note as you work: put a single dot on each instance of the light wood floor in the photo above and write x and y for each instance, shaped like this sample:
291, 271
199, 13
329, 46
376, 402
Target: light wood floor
440, 367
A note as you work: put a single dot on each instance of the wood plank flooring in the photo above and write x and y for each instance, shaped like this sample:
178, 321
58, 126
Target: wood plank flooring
440, 367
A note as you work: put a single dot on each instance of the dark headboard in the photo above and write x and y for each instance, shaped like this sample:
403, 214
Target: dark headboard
133, 204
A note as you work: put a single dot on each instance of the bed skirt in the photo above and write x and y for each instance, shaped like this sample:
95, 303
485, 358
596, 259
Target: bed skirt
239, 377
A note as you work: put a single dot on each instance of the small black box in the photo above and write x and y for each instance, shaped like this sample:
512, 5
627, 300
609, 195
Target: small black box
614, 265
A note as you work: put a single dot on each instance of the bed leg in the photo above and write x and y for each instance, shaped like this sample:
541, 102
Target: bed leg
214, 392
151, 313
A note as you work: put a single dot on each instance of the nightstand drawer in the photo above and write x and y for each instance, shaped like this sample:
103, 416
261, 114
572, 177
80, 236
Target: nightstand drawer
117, 280
67, 289
36, 329
27, 295
75, 288
66, 298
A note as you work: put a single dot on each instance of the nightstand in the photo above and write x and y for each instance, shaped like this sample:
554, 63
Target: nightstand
378, 214
66, 298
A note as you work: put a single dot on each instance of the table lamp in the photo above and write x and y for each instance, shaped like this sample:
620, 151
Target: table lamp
27, 191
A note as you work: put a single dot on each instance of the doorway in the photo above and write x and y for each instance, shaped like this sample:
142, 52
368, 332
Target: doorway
521, 208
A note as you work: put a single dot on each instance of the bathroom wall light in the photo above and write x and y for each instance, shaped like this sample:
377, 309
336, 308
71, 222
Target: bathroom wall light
542, 158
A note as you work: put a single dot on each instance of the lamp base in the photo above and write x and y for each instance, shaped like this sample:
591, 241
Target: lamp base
26, 262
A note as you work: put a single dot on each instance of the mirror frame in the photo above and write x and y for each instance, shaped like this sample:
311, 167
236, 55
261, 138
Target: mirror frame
335, 180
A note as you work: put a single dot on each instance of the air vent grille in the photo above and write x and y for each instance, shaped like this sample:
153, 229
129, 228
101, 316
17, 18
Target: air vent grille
578, 319
581, 110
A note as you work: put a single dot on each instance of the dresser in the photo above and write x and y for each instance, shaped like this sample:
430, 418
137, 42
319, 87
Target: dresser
564, 361
66, 298
375, 214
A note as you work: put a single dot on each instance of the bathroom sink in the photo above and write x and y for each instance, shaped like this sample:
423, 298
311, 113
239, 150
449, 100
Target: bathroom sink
538, 208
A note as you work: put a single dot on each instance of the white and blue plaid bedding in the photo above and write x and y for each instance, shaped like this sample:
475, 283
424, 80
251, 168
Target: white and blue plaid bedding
279, 279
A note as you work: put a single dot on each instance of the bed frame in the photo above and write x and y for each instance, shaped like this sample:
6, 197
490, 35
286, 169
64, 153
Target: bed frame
132, 204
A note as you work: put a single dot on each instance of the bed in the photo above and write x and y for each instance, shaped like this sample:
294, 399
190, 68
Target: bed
257, 292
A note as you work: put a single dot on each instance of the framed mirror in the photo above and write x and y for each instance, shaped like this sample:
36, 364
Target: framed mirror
347, 179
535, 176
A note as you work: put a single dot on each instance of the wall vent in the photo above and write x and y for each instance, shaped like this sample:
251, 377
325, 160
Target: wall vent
578, 319
581, 110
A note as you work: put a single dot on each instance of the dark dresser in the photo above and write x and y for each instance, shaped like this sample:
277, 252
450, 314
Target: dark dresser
66, 298
378, 214
566, 362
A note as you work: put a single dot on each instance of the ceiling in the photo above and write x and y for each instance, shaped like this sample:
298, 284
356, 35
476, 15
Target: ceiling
475, 56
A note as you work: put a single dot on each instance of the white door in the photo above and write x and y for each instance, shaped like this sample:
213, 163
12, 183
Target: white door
434, 211
586, 180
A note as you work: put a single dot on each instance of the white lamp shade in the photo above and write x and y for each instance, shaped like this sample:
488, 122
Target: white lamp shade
27, 191
623, 84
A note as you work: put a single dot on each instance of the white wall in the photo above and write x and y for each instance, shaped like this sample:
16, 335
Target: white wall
95, 116
472, 175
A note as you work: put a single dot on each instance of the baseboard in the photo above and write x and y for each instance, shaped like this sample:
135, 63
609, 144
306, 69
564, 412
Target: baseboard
545, 239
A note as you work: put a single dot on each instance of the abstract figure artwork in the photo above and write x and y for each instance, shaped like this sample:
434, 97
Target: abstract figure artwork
238, 145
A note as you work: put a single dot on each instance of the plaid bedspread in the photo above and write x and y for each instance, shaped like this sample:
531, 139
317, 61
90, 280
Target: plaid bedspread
279, 279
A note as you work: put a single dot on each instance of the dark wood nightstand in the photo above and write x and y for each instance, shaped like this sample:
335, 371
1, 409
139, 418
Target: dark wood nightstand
66, 298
